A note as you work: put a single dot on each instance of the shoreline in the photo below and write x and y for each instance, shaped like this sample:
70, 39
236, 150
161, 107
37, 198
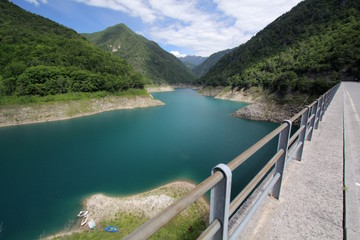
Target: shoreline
226, 93
104, 208
261, 106
59, 111
160, 88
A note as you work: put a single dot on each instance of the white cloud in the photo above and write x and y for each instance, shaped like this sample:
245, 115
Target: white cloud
254, 15
36, 2
135, 8
177, 54
191, 25
184, 10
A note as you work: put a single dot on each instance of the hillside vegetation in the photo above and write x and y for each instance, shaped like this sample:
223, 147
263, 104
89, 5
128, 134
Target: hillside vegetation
40, 57
305, 50
201, 69
146, 57
192, 61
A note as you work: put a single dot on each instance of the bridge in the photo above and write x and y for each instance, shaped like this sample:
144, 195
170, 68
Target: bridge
310, 188
321, 194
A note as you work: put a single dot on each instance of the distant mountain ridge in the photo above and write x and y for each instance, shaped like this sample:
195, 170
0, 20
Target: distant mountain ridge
305, 50
201, 69
145, 56
192, 61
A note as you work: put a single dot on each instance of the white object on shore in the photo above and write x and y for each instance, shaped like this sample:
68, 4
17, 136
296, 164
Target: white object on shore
84, 220
82, 214
91, 224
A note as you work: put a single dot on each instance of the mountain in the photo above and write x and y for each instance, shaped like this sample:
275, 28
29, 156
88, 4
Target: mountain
146, 57
305, 50
205, 66
192, 61
41, 57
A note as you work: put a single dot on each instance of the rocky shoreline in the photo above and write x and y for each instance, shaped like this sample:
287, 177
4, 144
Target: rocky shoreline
45, 112
266, 111
160, 88
259, 109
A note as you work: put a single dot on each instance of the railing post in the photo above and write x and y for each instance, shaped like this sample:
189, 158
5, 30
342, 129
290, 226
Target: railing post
312, 122
280, 164
323, 108
220, 201
330, 94
318, 111
304, 120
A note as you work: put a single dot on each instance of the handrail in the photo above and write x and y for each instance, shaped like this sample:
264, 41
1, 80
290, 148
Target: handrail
310, 116
296, 134
296, 116
254, 148
155, 223
255, 181
210, 230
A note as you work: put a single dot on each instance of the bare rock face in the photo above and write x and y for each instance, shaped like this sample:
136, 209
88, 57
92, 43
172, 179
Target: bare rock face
211, 91
261, 109
266, 111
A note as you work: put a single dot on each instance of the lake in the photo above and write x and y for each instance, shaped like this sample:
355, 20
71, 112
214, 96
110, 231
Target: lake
47, 169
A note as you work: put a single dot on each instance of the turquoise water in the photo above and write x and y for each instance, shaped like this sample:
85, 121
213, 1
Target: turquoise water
47, 169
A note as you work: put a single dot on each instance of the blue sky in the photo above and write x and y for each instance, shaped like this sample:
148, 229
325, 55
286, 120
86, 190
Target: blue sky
183, 27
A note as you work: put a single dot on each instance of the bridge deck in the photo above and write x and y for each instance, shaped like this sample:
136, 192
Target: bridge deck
311, 204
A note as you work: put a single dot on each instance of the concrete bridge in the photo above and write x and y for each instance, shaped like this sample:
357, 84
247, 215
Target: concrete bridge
321, 194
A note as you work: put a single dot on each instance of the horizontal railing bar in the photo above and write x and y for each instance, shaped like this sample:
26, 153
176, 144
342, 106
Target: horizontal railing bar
236, 162
252, 184
210, 231
291, 155
296, 134
311, 117
255, 207
298, 115
312, 104
291, 149
151, 226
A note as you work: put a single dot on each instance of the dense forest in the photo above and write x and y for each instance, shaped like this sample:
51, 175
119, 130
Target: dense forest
305, 50
41, 57
146, 57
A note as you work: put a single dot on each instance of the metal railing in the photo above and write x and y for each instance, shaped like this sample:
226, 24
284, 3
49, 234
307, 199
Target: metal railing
219, 183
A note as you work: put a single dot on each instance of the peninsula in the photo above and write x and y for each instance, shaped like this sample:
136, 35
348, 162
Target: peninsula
127, 213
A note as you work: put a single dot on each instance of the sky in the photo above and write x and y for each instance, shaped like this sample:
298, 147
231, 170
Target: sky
182, 27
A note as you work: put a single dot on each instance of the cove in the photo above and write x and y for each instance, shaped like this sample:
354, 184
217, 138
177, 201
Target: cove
47, 169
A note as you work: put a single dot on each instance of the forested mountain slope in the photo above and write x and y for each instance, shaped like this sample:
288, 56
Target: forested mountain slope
305, 50
147, 57
205, 66
192, 61
41, 57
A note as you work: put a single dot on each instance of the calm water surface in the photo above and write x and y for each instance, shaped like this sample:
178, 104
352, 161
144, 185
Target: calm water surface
47, 169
